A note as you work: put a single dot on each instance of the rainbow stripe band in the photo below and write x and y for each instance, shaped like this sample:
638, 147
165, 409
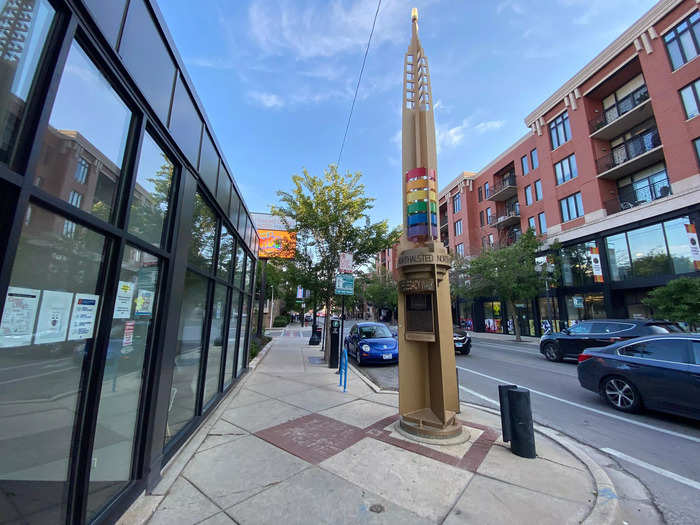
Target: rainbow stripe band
421, 204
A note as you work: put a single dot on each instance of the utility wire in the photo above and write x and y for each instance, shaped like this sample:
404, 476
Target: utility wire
357, 88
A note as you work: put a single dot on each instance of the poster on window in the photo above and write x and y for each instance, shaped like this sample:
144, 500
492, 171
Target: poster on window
17, 325
693, 242
125, 295
82, 320
54, 314
595, 263
144, 303
128, 338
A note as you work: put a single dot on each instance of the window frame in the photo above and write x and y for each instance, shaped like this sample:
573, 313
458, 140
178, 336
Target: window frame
559, 123
531, 223
458, 227
457, 202
459, 249
534, 159
541, 217
538, 190
573, 169
528, 195
694, 88
524, 164
676, 38
577, 201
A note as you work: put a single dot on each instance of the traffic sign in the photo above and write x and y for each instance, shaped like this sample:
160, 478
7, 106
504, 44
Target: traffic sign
344, 284
346, 262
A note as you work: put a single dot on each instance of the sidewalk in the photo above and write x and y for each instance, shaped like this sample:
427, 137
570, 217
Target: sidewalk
288, 446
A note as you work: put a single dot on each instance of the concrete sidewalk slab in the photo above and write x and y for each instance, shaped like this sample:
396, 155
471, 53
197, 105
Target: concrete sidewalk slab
422, 485
289, 446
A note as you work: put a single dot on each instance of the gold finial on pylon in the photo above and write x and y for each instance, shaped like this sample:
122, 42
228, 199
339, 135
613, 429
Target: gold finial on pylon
414, 14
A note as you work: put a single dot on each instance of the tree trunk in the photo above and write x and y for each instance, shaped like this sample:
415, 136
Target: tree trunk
514, 317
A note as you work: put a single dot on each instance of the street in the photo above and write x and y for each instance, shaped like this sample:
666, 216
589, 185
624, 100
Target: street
660, 450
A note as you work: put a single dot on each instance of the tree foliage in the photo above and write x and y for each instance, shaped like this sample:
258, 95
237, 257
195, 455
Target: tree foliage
509, 273
679, 300
381, 290
329, 215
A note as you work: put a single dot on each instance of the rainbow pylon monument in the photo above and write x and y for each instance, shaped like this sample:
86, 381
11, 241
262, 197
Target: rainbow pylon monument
428, 396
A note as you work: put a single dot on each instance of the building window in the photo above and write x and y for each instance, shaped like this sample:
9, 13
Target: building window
682, 41
457, 203
538, 190
75, 198
488, 215
487, 194
481, 194
690, 95
481, 218
543, 222
528, 195
491, 239
523, 162
645, 186
81, 171
458, 227
566, 169
534, 160
531, 223
559, 130
460, 250
696, 142
571, 207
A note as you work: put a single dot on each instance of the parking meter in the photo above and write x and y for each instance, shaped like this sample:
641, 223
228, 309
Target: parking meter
335, 344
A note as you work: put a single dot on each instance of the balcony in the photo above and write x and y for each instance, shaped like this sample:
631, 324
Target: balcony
510, 217
443, 221
504, 190
640, 192
628, 112
631, 156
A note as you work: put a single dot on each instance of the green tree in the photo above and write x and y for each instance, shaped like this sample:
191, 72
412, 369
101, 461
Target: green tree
381, 290
329, 215
678, 300
509, 273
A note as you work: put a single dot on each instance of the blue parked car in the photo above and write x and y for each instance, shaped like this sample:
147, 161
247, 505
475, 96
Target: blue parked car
372, 343
660, 372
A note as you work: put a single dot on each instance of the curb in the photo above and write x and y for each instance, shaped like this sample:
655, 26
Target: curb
606, 510
258, 358
377, 389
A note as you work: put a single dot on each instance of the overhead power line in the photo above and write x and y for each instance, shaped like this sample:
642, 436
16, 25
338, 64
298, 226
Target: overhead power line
357, 87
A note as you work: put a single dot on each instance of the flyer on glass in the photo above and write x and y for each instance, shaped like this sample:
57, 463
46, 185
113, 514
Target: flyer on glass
54, 314
17, 325
82, 321
125, 295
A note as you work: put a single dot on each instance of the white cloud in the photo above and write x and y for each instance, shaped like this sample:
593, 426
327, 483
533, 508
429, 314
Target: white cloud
268, 100
326, 29
489, 125
515, 7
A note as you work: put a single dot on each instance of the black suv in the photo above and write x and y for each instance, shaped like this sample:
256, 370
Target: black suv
570, 342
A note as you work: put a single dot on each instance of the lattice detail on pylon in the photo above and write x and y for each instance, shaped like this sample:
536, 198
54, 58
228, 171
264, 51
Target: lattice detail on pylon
417, 88
15, 23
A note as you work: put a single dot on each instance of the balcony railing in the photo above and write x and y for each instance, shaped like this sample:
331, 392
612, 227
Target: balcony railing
629, 149
511, 215
628, 103
504, 189
638, 193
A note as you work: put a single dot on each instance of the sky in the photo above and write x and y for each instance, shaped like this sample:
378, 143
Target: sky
277, 79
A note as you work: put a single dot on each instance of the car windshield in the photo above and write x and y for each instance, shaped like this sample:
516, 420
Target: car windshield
369, 332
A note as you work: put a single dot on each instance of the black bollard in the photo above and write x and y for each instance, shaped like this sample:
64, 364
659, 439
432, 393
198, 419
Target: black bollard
505, 410
522, 432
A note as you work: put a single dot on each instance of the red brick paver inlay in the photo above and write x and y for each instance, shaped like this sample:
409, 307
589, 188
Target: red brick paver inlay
313, 438
316, 438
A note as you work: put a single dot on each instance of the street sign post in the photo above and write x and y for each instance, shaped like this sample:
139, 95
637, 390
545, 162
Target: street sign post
344, 284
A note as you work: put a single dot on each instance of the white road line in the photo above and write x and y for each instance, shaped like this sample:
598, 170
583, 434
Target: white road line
480, 396
584, 407
38, 375
653, 468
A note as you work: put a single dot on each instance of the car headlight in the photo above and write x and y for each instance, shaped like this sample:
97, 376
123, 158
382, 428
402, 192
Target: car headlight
365, 348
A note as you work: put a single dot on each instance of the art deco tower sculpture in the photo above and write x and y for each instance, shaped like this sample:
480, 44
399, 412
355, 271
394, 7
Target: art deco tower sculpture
428, 397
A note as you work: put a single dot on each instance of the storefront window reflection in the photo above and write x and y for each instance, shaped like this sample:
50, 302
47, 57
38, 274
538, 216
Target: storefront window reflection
203, 244
226, 245
648, 251
47, 330
618, 257
576, 266
216, 342
149, 204
22, 47
492, 317
242, 335
232, 339
585, 306
678, 245
81, 158
132, 322
189, 350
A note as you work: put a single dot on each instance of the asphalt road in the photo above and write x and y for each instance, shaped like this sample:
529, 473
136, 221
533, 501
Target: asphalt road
662, 451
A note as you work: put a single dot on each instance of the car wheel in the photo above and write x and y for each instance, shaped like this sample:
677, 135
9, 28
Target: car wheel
357, 357
466, 350
551, 352
621, 394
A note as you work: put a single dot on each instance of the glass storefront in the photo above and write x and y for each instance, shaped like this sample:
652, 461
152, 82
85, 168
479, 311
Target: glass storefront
576, 265
584, 306
492, 317
121, 324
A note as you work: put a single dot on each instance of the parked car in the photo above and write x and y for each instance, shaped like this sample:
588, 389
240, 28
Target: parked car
659, 372
570, 342
372, 342
462, 340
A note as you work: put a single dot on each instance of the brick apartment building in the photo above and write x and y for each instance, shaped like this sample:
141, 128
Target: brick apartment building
611, 162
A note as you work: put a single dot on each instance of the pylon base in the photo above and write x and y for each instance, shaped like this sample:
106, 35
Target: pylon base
427, 428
